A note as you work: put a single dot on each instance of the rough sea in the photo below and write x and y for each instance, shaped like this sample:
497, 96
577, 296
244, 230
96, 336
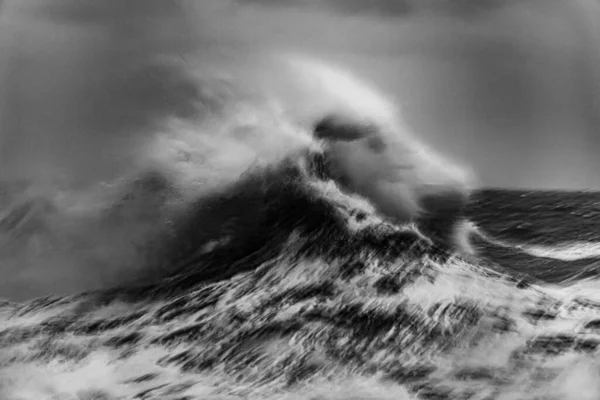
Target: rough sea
182, 237
279, 286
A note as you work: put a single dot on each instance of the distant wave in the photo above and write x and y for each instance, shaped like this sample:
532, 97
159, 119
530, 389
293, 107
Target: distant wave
569, 251
566, 252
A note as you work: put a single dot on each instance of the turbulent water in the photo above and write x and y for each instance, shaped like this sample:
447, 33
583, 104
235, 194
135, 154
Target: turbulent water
272, 282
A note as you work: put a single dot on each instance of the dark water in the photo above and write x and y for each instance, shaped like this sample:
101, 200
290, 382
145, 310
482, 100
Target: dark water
547, 218
541, 217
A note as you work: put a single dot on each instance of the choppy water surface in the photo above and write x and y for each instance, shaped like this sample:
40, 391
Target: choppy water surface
302, 292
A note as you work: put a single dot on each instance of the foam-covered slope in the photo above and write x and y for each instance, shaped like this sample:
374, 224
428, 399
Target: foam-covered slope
303, 292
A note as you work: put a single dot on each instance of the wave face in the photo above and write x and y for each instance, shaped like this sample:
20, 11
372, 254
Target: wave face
242, 256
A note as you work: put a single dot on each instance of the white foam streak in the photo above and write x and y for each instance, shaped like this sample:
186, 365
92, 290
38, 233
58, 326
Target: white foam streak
565, 252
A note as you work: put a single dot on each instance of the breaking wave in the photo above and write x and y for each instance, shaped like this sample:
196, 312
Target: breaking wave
255, 273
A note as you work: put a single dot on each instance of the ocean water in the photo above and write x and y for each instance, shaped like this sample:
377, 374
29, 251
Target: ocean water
550, 235
228, 263
301, 293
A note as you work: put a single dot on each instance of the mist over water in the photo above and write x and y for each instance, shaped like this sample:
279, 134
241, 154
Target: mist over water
509, 87
97, 94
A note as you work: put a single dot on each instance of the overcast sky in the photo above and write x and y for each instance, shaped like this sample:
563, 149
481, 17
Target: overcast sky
83, 81
511, 87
